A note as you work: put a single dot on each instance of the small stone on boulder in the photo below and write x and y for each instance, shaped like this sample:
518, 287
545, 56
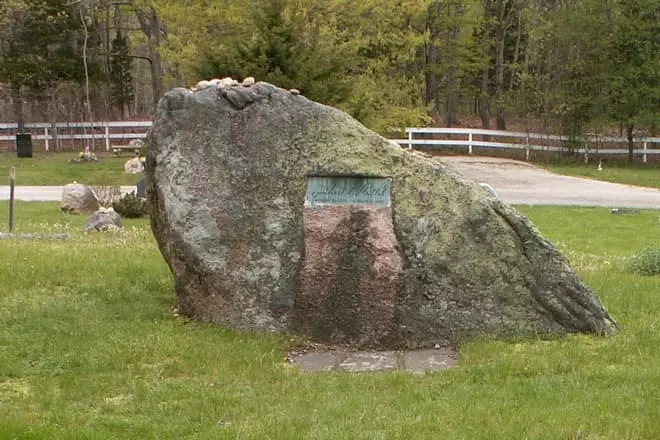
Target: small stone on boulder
78, 199
105, 219
249, 81
225, 82
204, 85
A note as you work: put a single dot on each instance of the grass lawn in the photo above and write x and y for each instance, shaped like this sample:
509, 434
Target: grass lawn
90, 350
637, 174
55, 169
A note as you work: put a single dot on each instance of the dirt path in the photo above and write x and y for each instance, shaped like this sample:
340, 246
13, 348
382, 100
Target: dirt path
521, 183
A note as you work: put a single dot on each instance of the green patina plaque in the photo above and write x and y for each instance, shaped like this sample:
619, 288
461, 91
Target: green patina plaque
347, 190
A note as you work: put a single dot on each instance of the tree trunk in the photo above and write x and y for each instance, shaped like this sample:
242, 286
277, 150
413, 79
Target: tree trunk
88, 105
499, 78
451, 75
17, 102
451, 115
151, 27
631, 144
516, 51
431, 78
432, 59
51, 117
484, 99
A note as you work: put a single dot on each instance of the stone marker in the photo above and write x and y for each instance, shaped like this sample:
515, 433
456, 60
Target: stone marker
78, 199
276, 213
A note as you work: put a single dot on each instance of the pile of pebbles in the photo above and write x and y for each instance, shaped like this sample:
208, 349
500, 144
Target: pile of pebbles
230, 82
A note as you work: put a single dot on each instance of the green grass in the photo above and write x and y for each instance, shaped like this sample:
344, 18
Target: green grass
55, 169
638, 174
90, 350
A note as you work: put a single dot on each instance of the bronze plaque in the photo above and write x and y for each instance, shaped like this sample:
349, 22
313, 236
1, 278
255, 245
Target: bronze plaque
347, 190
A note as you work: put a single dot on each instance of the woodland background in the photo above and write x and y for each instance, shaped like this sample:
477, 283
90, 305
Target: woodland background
558, 66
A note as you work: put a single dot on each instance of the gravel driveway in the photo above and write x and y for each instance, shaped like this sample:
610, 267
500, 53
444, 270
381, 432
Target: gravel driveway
515, 182
521, 183
42, 193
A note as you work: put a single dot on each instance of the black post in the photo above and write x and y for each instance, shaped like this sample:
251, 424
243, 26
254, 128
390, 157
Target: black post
23, 144
12, 184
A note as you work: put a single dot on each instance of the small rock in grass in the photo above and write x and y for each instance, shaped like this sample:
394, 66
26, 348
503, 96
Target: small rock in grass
78, 199
133, 166
105, 219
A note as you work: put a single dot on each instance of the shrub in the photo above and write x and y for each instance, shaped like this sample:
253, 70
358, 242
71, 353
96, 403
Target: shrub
131, 206
646, 262
107, 195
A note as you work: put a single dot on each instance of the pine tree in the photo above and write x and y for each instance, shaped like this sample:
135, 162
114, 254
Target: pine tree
121, 77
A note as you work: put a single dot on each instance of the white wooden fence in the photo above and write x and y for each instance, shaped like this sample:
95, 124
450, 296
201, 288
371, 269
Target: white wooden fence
105, 131
526, 142
114, 132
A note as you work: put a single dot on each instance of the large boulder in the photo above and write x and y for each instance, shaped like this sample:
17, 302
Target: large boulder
276, 213
78, 199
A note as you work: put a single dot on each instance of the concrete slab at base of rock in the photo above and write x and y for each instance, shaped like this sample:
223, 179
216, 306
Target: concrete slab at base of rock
279, 214
429, 360
370, 361
414, 361
317, 361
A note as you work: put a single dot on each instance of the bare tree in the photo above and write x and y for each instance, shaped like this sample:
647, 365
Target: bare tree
153, 29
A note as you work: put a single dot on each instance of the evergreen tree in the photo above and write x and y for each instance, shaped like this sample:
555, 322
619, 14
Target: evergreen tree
43, 48
634, 81
285, 47
121, 77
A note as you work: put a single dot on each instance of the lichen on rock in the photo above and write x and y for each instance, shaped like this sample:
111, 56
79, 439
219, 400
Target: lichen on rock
227, 173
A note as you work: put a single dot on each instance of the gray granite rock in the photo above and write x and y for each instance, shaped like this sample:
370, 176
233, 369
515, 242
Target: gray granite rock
105, 219
78, 199
438, 260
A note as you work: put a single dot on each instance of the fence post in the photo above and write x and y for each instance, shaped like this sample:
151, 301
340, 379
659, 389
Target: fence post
12, 184
107, 137
46, 145
410, 137
586, 153
527, 147
470, 143
645, 151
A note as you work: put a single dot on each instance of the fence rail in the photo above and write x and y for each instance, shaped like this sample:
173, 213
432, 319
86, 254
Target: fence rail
99, 130
526, 142
467, 138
